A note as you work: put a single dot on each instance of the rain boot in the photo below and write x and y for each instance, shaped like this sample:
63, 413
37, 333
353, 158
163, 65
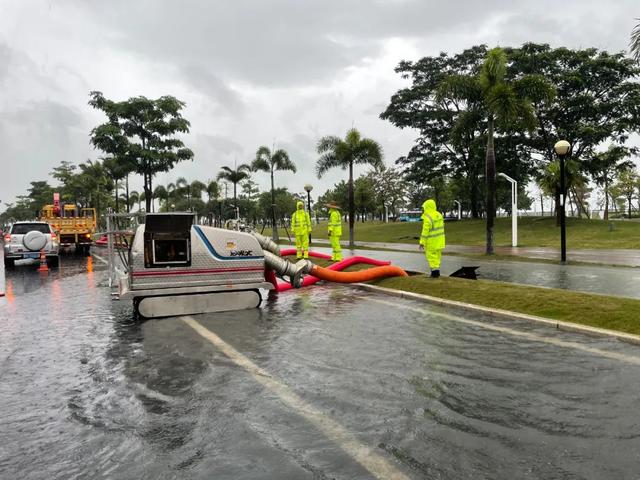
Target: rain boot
435, 273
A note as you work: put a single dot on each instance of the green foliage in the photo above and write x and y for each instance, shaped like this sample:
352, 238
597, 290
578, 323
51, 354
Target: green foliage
627, 185
234, 176
595, 102
140, 134
87, 185
285, 204
353, 150
270, 162
634, 45
496, 101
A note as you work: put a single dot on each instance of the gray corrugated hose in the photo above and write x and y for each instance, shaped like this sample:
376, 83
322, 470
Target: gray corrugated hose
267, 244
282, 266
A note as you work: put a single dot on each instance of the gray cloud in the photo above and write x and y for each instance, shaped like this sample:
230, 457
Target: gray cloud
214, 89
218, 144
250, 71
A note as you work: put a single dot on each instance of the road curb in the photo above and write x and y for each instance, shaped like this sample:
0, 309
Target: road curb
496, 312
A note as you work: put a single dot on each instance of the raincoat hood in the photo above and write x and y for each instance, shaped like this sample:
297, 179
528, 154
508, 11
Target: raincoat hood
300, 205
429, 205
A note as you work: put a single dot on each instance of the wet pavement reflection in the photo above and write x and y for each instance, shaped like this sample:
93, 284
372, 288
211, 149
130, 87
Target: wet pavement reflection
88, 392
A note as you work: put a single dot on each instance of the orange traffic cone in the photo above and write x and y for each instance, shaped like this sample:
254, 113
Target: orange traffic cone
43, 262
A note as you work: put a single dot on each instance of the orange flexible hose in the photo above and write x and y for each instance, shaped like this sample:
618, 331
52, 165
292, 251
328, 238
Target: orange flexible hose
356, 277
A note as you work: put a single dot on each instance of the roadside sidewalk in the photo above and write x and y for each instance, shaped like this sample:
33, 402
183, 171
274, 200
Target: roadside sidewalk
627, 258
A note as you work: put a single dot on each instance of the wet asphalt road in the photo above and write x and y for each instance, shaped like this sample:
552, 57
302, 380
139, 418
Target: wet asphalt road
87, 392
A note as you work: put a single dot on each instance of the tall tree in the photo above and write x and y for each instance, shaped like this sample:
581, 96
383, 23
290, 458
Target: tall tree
235, 176
389, 188
500, 101
270, 162
212, 190
118, 168
627, 186
605, 168
450, 132
134, 199
634, 46
353, 150
40, 194
161, 193
143, 131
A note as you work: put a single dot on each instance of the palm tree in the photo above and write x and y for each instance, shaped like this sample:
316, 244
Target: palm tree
335, 152
213, 190
634, 46
134, 197
267, 161
182, 189
196, 188
549, 182
161, 193
240, 173
117, 171
498, 101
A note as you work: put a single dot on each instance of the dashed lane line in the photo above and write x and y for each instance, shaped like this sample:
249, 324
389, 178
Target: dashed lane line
517, 333
377, 465
99, 258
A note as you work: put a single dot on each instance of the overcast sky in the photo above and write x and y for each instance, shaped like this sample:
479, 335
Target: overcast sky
251, 72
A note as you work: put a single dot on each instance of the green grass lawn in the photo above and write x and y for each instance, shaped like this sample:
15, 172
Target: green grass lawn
532, 232
613, 313
600, 311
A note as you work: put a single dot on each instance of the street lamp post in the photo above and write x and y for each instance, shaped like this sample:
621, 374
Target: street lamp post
308, 187
459, 209
514, 209
562, 148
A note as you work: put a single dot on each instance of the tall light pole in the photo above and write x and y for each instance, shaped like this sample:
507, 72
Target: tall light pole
308, 187
459, 209
562, 148
514, 209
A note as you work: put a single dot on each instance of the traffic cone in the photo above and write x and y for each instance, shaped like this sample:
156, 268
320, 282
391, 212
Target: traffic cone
43, 262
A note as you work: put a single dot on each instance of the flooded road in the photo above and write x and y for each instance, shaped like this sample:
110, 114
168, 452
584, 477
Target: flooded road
327, 382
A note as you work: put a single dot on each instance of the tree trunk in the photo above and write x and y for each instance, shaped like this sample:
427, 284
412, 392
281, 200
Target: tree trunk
606, 200
117, 203
351, 206
542, 204
629, 200
475, 212
126, 194
275, 236
490, 174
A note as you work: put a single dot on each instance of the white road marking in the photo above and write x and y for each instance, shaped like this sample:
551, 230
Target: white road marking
376, 464
517, 333
99, 258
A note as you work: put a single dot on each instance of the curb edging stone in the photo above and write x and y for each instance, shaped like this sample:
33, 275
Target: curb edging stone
499, 313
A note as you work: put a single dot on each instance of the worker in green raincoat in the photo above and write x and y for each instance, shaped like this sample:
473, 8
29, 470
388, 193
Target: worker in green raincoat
301, 226
335, 231
432, 238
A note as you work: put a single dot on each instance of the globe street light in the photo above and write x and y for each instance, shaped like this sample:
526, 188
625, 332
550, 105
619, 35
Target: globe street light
308, 187
562, 149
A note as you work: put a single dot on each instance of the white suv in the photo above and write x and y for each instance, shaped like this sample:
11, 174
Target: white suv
27, 239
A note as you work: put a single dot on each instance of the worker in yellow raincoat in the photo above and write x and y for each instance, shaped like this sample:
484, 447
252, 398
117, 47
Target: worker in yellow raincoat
301, 226
432, 237
335, 231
